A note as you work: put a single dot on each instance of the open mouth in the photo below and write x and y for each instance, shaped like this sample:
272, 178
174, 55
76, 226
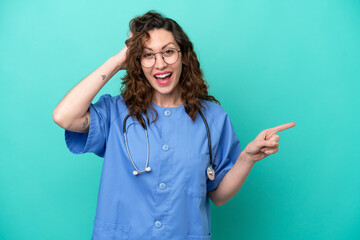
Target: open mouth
163, 79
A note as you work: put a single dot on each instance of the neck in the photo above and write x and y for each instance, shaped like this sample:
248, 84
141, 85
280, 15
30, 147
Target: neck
168, 100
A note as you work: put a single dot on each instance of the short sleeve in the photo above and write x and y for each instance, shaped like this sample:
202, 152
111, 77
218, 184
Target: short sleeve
95, 140
226, 155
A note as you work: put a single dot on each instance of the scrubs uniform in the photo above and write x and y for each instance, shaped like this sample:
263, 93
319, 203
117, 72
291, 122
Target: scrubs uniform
170, 201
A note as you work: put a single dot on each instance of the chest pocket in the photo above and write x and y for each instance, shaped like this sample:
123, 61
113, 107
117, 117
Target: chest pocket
196, 175
105, 230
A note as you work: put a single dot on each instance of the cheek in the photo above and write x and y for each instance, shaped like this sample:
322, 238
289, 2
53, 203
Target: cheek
147, 75
179, 70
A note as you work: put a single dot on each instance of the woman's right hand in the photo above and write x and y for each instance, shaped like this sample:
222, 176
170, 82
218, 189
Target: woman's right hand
121, 57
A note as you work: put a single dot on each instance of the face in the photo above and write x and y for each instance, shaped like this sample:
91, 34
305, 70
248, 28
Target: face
161, 40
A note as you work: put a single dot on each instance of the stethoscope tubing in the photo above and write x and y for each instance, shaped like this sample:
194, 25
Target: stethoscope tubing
208, 135
147, 169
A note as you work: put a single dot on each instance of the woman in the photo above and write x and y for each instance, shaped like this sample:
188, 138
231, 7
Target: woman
156, 184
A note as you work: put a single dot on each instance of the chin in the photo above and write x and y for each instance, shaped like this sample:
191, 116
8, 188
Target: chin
164, 91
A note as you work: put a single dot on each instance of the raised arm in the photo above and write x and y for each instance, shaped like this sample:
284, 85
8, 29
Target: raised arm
72, 113
265, 144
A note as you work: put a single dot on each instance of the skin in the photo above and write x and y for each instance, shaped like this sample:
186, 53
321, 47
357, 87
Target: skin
164, 95
265, 144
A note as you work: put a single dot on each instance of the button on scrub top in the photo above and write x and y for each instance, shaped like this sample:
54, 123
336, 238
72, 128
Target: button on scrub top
170, 201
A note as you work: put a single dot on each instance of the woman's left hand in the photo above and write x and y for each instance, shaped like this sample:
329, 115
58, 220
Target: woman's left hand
265, 144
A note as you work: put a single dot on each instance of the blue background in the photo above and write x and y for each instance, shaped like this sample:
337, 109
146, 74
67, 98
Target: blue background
268, 62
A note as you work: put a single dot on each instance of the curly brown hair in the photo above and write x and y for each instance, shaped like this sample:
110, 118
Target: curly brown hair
136, 89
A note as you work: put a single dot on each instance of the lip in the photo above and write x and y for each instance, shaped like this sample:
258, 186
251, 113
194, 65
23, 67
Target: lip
164, 83
161, 73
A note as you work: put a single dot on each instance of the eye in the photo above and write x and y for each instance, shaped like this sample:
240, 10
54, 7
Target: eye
147, 55
169, 52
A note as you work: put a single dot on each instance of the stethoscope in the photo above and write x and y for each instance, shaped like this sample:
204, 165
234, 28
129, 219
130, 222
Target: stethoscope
210, 171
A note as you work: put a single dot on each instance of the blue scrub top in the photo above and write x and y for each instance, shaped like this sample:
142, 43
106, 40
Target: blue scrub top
170, 201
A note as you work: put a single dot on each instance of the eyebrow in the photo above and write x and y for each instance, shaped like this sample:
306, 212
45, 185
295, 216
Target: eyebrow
163, 46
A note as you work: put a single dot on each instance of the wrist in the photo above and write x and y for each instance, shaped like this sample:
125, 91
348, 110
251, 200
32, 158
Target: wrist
118, 62
246, 159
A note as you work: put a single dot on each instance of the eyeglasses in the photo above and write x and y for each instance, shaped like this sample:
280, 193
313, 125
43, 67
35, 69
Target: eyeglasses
169, 55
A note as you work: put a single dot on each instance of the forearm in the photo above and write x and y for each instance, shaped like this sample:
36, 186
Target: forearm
77, 101
232, 181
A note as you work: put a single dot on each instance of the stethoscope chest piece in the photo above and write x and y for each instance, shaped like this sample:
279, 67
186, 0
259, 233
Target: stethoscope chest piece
210, 173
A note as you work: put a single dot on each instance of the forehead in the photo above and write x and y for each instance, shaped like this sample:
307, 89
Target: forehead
159, 38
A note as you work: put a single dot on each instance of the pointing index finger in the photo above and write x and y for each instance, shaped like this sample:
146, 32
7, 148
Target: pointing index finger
282, 127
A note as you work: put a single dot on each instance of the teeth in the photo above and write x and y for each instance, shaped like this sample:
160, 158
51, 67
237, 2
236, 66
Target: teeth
163, 76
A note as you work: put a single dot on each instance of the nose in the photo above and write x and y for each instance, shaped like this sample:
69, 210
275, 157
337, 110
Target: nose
159, 61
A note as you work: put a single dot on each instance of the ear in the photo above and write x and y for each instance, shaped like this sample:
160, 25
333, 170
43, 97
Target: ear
183, 62
182, 58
